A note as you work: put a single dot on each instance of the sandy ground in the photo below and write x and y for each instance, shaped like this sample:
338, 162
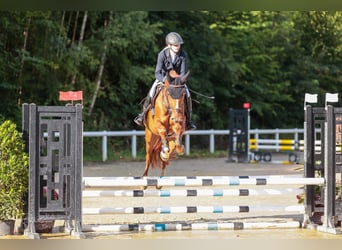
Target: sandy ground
196, 167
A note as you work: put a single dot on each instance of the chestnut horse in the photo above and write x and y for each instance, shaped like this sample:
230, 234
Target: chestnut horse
165, 123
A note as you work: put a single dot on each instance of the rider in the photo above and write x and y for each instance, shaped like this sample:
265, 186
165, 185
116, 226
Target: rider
171, 57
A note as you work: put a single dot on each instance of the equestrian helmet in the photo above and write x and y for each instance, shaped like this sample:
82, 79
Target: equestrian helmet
173, 38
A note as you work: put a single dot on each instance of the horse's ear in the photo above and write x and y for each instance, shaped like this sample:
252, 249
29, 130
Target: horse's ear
173, 73
184, 77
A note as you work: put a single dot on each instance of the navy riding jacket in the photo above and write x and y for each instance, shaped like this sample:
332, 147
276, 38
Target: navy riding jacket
164, 63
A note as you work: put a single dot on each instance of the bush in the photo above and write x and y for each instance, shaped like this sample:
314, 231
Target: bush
13, 172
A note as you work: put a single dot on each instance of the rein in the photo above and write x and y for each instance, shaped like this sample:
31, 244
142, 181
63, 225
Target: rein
176, 86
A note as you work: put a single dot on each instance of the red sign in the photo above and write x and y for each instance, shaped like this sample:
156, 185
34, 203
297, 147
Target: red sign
246, 105
70, 95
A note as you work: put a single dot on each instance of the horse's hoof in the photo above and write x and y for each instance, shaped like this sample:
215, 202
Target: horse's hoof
164, 157
166, 149
180, 150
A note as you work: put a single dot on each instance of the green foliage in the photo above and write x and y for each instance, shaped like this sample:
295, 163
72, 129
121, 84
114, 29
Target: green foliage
268, 58
13, 172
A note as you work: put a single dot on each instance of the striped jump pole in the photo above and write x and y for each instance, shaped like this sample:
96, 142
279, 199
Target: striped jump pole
214, 226
198, 181
191, 209
189, 192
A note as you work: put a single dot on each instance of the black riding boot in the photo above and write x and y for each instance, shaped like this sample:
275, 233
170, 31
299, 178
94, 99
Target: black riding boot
139, 120
188, 111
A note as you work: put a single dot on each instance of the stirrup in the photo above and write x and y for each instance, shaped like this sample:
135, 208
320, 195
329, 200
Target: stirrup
190, 126
139, 120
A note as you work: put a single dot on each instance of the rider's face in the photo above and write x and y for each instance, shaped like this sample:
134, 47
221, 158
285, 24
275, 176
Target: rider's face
175, 47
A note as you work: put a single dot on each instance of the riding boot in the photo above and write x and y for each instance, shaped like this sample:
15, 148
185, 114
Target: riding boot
139, 120
188, 111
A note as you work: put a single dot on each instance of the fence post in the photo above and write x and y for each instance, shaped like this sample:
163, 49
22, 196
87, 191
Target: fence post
212, 141
104, 146
329, 168
309, 161
187, 144
277, 139
296, 140
134, 145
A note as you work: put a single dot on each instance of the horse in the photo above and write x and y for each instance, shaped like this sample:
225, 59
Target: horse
165, 123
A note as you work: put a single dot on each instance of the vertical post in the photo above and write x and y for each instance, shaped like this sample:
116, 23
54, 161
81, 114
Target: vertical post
309, 161
104, 147
78, 171
277, 139
231, 135
212, 141
25, 130
134, 145
296, 140
187, 144
248, 133
329, 169
33, 187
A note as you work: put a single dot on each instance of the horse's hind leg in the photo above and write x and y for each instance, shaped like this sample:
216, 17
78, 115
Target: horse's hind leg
146, 169
147, 166
148, 149
163, 167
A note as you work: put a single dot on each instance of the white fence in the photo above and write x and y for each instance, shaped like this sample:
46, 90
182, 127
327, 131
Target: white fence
256, 134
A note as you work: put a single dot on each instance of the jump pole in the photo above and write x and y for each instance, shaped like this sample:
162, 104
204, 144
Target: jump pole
213, 226
91, 182
190, 192
191, 209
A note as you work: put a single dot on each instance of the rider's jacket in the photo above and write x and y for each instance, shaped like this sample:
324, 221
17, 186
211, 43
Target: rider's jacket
164, 63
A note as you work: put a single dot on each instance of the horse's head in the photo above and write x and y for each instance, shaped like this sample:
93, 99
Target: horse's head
175, 84
174, 79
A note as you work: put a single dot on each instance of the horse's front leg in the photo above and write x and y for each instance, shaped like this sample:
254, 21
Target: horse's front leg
165, 150
179, 145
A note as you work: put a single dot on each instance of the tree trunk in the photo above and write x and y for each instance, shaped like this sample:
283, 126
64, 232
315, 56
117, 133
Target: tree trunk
100, 70
26, 32
98, 79
75, 29
80, 40
61, 36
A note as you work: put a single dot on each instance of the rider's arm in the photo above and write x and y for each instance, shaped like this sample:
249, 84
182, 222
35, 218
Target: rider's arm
162, 66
